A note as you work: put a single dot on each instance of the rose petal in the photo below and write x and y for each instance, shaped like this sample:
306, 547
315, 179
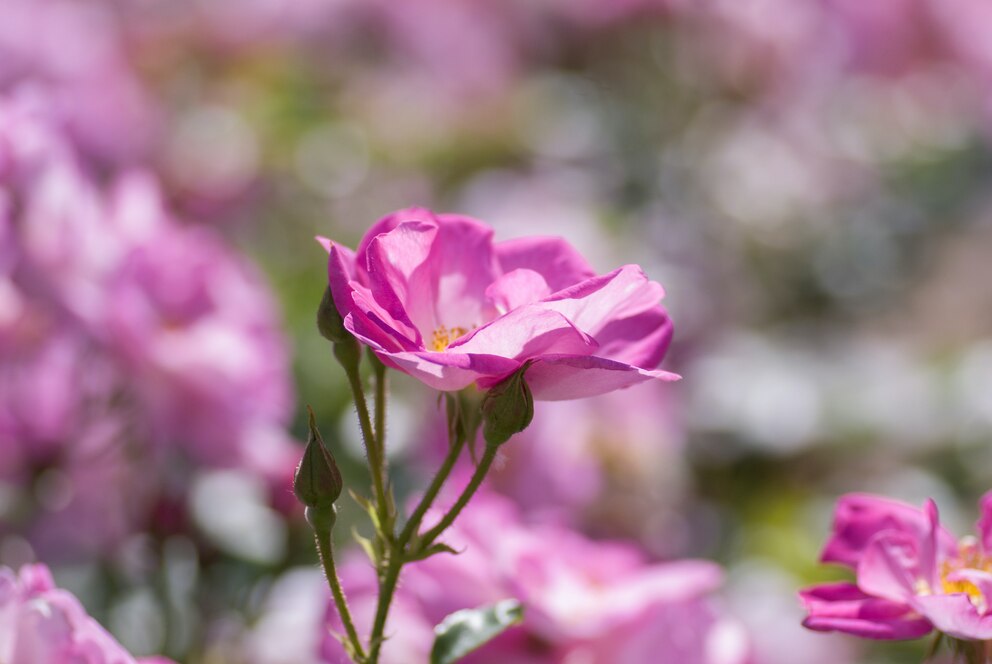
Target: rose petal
843, 607
450, 372
526, 333
984, 525
516, 289
551, 257
955, 615
860, 516
596, 302
640, 340
555, 378
890, 566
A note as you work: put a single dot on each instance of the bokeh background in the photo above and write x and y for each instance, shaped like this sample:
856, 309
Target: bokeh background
809, 181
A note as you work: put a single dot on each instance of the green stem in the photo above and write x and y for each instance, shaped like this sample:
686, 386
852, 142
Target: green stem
473, 485
380, 431
413, 525
387, 588
400, 553
380, 406
376, 462
326, 552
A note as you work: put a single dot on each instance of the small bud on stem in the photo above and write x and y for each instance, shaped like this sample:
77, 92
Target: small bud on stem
507, 409
318, 481
329, 320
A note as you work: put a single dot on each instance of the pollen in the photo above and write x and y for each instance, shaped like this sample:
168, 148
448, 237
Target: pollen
970, 558
443, 337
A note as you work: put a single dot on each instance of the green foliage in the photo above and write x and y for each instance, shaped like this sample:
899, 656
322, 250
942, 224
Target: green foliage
466, 630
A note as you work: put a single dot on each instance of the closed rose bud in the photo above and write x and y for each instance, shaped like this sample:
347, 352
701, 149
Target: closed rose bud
507, 409
318, 481
329, 320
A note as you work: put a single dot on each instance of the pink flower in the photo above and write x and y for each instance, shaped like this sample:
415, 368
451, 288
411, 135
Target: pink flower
77, 54
911, 574
595, 602
436, 298
42, 623
128, 342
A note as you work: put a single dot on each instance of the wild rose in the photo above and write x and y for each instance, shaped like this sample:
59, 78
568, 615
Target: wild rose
911, 574
42, 623
433, 296
595, 602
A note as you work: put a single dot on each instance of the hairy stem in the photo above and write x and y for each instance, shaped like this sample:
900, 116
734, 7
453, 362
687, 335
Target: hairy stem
473, 485
408, 546
413, 525
377, 466
326, 552
380, 409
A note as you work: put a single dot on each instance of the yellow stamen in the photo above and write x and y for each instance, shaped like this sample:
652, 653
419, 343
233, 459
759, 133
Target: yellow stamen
970, 558
443, 337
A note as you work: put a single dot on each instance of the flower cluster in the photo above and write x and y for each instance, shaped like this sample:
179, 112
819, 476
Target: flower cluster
129, 340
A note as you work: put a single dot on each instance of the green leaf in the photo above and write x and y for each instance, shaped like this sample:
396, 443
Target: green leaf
464, 631
367, 547
423, 554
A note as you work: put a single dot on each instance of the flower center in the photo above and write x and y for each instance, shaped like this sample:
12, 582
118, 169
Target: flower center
970, 558
443, 337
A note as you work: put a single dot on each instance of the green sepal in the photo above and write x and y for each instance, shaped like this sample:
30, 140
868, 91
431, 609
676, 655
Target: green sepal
423, 554
507, 408
317, 482
329, 320
367, 547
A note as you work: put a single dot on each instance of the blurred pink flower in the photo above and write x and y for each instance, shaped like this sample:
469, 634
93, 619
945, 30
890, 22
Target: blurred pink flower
65, 448
127, 341
598, 602
75, 52
199, 330
912, 576
434, 297
42, 623
611, 465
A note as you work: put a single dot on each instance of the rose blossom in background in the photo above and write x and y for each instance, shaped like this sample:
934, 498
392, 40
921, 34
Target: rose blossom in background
436, 298
42, 623
595, 602
610, 465
75, 52
911, 574
130, 342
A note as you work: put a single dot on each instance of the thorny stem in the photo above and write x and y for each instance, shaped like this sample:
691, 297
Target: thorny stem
473, 485
380, 408
377, 465
408, 546
413, 525
402, 552
325, 549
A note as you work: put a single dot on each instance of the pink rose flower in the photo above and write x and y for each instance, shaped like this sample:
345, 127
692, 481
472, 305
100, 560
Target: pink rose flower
434, 297
912, 576
42, 623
